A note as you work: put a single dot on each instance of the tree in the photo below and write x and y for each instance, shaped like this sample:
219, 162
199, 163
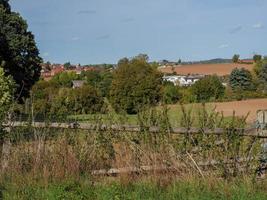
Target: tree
19, 55
84, 100
208, 88
171, 93
6, 94
262, 75
65, 78
257, 58
241, 79
179, 61
235, 58
99, 79
67, 65
135, 84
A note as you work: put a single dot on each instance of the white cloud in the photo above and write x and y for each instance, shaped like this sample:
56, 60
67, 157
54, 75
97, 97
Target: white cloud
223, 46
258, 26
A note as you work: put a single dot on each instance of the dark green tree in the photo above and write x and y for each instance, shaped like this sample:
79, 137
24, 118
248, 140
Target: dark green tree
208, 88
235, 58
19, 54
241, 79
262, 76
135, 84
257, 58
67, 65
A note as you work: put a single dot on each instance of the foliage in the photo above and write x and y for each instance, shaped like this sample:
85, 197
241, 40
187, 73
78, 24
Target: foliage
235, 58
262, 74
208, 88
51, 100
241, 79
6, 93
257, 58
99, 79
136, 83
65, 79
19, 55
171, 93
67, 65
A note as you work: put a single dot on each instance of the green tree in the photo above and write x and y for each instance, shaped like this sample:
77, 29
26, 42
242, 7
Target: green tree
171, 93
208, 88
6, 95
135, 84
262, 76
67, 65
257, 58
241, 79
19, 55
84, 100
235, 58
65, 79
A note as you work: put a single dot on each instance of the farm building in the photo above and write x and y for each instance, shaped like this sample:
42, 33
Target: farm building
183, 80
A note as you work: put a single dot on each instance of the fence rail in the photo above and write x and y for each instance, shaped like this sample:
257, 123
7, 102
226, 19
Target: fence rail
249, 132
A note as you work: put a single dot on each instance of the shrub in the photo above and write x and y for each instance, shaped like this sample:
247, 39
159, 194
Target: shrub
171, 94
208, 88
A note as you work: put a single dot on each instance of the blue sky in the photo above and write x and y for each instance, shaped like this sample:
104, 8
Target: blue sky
103, 31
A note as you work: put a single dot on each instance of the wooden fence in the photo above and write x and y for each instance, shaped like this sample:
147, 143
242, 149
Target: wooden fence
249, 132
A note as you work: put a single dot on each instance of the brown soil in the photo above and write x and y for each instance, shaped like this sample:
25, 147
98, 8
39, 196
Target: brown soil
241, 108
207, 69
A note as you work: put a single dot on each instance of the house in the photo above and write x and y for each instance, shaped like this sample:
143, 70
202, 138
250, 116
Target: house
183, 80
56, 69
77, 83
246, 61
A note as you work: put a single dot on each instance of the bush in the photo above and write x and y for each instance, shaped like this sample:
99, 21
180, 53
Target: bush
171, 94
208, 88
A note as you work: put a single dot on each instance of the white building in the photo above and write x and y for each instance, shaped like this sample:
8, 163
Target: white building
183, 80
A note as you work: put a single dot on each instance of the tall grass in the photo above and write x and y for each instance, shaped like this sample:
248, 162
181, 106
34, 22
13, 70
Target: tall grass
41, 158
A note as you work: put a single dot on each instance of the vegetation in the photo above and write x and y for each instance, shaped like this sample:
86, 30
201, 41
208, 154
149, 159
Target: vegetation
208, 88
136, 84
19, 55
241, 80
235, 58
7, 87
139, 190
60, 163
171, 93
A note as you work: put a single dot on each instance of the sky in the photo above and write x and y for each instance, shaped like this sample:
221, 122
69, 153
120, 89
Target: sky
104, 31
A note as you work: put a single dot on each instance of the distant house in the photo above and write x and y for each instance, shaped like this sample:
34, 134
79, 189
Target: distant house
183, 80
57, 68
246, 61
77, 83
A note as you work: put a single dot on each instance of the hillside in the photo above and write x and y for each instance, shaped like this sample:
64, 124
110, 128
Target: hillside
207, 69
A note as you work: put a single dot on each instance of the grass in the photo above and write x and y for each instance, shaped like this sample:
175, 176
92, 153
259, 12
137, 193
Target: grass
194, 189
174, 113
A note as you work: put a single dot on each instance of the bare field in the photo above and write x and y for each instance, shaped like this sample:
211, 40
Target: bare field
241, 108
207, 69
